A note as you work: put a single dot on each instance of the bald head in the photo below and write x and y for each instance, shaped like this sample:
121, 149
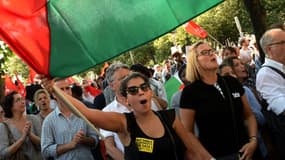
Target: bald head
273, 44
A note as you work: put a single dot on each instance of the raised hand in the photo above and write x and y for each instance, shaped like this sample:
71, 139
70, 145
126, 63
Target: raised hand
47, 83
26, 130
78, 137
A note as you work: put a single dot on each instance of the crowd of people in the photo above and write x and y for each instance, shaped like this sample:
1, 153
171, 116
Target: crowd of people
228, 107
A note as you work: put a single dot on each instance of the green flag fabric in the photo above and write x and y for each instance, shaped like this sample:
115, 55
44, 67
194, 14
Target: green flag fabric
171, 86
65, 37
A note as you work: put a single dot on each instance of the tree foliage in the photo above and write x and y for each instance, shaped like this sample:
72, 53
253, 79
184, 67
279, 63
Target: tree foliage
5, 53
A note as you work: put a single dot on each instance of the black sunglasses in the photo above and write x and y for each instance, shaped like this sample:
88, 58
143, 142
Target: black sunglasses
135, 90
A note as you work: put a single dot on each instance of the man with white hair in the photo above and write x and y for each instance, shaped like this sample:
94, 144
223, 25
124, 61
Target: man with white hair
270, 82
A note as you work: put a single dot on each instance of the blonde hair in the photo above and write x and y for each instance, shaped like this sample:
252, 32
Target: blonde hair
192, 67
36, 95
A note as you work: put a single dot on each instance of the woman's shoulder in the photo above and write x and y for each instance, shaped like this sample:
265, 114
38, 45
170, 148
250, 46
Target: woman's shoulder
229, 79
32, 117
2, 125
195, 87
169, 115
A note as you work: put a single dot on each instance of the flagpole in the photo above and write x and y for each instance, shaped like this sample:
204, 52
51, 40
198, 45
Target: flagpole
75, 110
212, 37
132, 57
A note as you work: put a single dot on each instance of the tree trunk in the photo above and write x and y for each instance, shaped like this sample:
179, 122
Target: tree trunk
258, 18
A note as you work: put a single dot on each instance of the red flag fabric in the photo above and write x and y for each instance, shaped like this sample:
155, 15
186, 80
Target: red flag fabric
21, 87
193, 28
32, 76
24, 27
9, 85
93, 91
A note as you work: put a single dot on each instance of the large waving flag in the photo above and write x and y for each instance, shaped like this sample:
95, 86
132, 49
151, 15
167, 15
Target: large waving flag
64, 37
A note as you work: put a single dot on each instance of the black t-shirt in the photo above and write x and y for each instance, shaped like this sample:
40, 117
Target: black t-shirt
214, 116
143, 147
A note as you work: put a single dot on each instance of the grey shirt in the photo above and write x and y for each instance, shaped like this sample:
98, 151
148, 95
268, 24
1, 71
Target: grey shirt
60, 130
28, 148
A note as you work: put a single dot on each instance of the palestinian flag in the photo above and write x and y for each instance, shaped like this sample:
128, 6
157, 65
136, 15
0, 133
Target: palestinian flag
64, 37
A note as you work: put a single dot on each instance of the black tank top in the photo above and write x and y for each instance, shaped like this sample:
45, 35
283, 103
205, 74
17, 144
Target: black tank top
143, 147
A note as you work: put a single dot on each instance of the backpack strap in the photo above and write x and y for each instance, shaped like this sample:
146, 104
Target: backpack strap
276, 70
10, 136
131, 151
167, 117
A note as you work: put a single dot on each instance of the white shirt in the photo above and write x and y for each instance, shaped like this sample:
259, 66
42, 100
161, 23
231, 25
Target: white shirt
271, 85
115, 106
245, 55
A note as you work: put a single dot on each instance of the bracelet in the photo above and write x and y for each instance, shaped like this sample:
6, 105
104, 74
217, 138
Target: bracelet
253, 138
213, 158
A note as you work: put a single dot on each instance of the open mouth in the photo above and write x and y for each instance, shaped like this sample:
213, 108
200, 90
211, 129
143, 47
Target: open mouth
143, 101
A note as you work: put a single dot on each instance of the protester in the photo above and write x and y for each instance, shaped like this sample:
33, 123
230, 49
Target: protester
241, 74
247, 58
42, 99
270, 82
157, 75
178, 62
109, 95
218, 106
228, 52
238, 70
245, 52
115, 73
77, 93
99, 82
149, 138
226, 70
64, 135
24, 129
31, 90
166, 70
157, 87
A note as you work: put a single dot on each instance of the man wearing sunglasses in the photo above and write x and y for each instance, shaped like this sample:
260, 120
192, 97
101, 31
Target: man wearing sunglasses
270, 82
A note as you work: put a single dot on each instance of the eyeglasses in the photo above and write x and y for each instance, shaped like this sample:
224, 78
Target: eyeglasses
135, 90
207, 52
277, 43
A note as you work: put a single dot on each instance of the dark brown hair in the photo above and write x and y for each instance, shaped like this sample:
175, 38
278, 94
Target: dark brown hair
8, 104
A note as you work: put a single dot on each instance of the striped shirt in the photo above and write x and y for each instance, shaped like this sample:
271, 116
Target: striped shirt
58, 129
